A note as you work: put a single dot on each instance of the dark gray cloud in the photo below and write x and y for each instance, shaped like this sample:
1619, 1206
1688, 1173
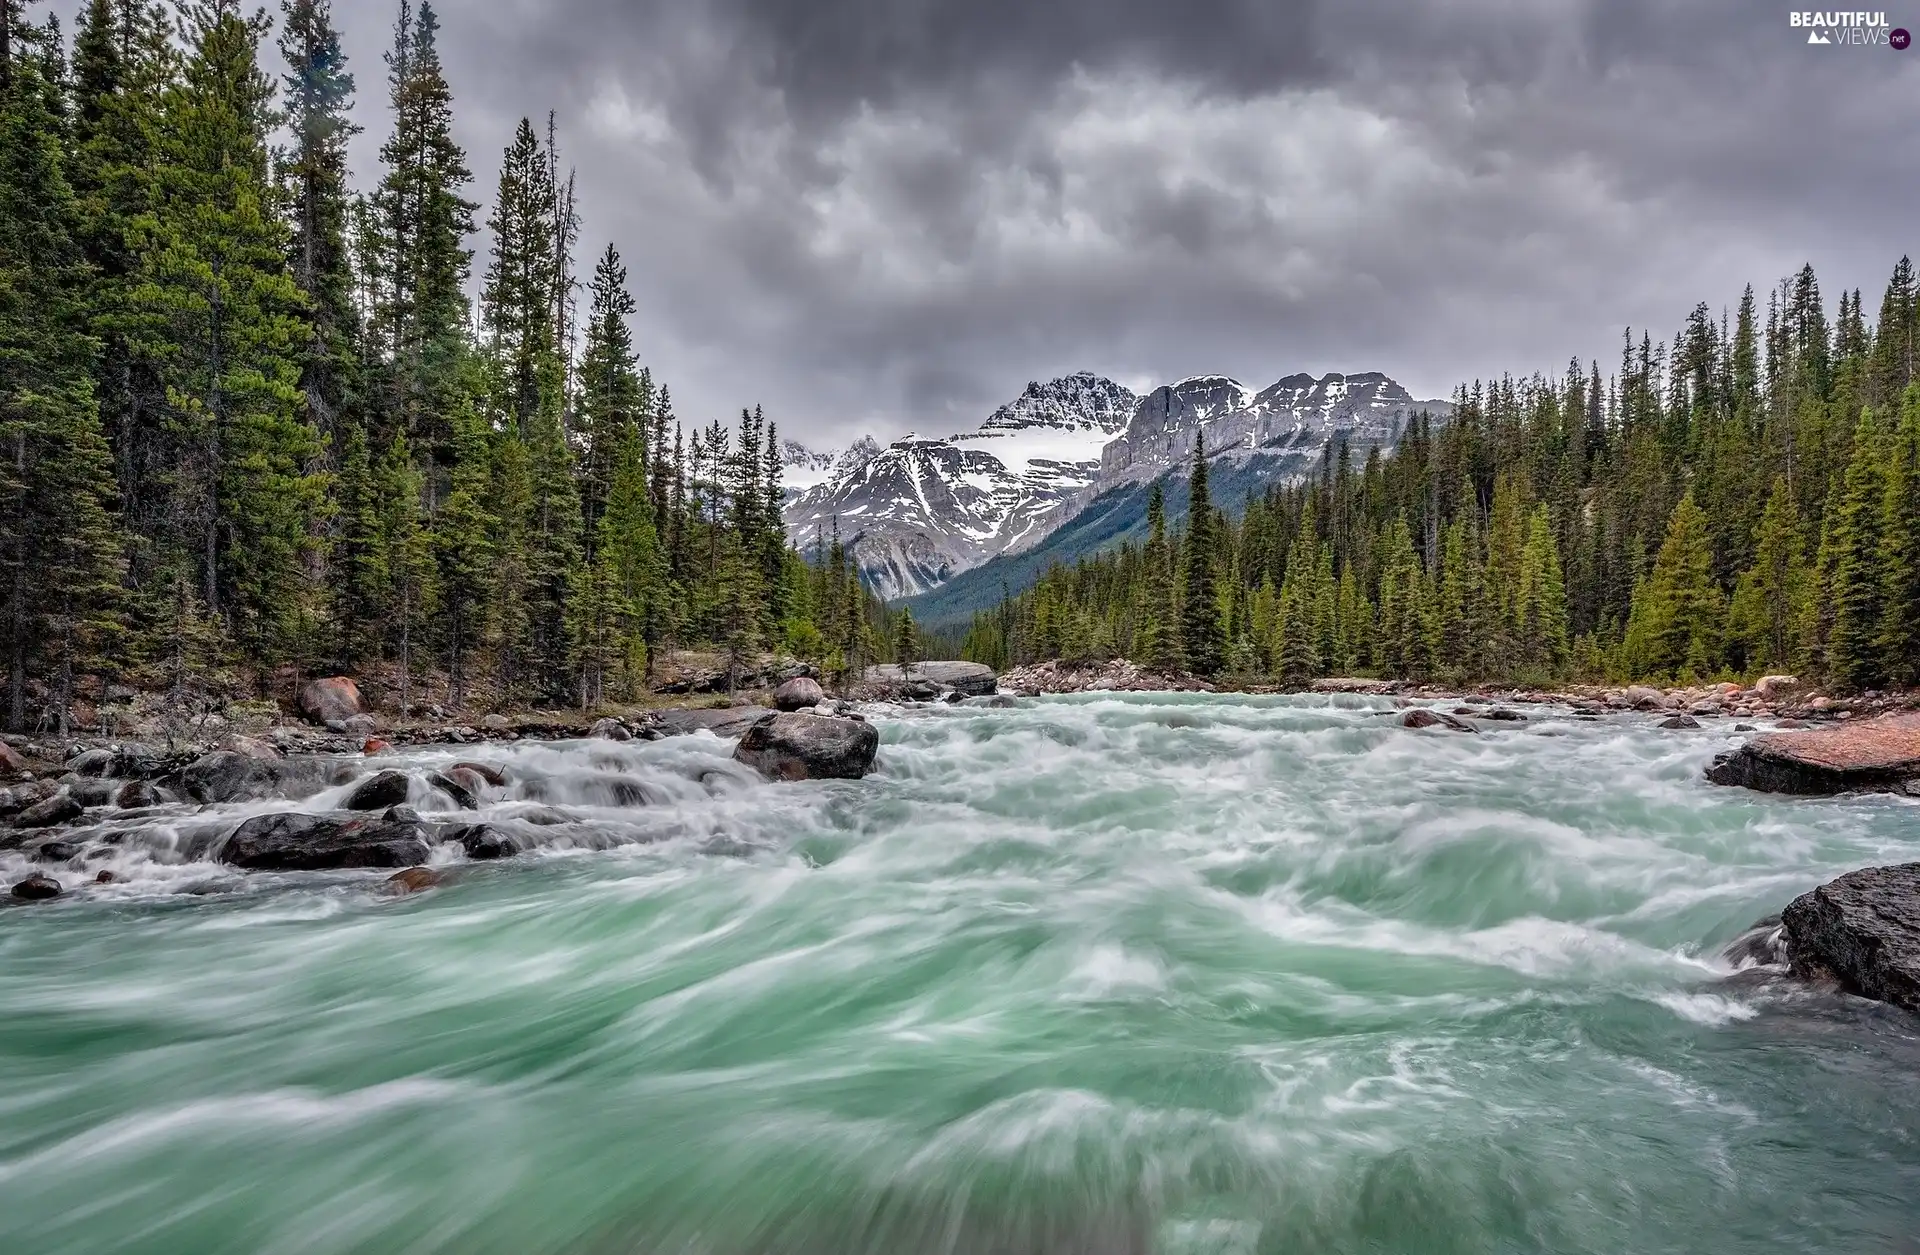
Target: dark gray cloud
889, 214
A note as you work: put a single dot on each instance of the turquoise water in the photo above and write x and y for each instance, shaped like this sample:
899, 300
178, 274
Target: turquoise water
1161, 974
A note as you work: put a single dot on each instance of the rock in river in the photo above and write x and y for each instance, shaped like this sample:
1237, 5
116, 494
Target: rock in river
1877, 754
377, 792
37, 888
972, 678
61, 808
809, 747
293, 842
1426, 717
1863, 930
333, 700
728, 721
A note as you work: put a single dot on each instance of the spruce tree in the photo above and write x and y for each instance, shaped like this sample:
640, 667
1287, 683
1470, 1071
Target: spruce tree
1680, 613
1768, 599
906, 643
1159, 636
358, 560
1202, 638
1858, 578
1899, 641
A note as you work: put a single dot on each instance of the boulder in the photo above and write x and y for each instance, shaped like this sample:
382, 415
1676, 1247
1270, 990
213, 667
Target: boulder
377, 792
1876, 754
972, 678
1679, 721
293, 842
118, 762
610, 730
63, 807
54, 852
797, 694
1862, 930
373, 747
359, 726
1775, 685
1500, 714
412, 880
809, 747
1427, 717
11, 764
37, 888
136, 795
333, 700
495, 723
494, 776
732, 721
1352, 684
251, 747
1640, 697
225, 776
456, 789
482, 842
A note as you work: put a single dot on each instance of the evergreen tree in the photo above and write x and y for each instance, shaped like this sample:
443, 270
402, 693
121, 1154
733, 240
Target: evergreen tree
1678, 612
1159, 646
1768, 600
359, 554
614, 396
1202, 639
1899, 642
1858, 579
906, 642
521, 283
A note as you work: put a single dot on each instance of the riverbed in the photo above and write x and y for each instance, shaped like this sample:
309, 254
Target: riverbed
1161, 973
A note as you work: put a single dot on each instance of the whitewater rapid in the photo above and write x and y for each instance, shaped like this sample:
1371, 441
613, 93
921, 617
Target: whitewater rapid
1154, 973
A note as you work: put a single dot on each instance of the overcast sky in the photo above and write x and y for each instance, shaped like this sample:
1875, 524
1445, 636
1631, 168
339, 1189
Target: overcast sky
883, 215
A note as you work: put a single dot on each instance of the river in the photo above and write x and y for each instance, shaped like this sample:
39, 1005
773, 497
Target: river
1171, 973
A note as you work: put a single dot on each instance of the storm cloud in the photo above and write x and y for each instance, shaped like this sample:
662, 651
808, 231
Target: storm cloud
883, 215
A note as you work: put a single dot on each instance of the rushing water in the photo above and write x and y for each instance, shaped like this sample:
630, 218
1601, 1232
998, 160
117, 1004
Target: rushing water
1153, 974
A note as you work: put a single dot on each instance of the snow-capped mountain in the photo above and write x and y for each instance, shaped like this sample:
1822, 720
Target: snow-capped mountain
920, 511
1292, 421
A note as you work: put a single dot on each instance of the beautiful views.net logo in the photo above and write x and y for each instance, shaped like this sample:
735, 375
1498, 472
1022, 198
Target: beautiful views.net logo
1859, 30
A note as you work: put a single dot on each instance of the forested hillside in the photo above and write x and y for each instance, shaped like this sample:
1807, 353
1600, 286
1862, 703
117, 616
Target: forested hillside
253, 429
1743, 498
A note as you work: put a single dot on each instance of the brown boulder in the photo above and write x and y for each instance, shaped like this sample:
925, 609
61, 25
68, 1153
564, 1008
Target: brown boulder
251, 747
809, 747
412, 880
492, 775
37, 888
1874, 755
1427, 717
799, 693
334, 699
11, 763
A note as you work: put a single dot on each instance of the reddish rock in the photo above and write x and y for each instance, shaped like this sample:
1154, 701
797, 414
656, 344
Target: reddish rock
10, 761
412, 880
492, 775
1874, 754
251, 747
105, 878
335, 699
37, 888
375, 746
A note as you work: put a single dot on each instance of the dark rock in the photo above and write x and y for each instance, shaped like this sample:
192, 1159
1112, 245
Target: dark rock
1000, 701
1426, 717
20, 797
412, 880
37, 888
401, 814
119, 762
11, 764
359, 727
482, 842
1862, 930
295, 842
972, 678
809, 747
1744, 727
1500, 714
63, 807
799, 693
55, 852
1679, 721
136, 795
224, 776
610, 730
1878, 754
732, 721
377, 792
105, 878
92, 792
1763, 945
333, 700
457, 790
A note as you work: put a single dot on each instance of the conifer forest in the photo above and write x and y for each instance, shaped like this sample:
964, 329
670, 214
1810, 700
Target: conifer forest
258, 423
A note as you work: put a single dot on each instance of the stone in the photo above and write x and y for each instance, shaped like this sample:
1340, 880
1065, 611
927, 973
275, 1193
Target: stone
225, 776
731, 722
377, 792
1640, 697
105, 878
457, 790
37, 888
11, 763
1350, 684
1500, 714
332, 700
136, 795
374, 747
1680, 721
494, 776
1774, 685
290, 841
1426, 717
972, 678
251, 747
91, 792
469, 779
798, 694
809, 747
412, 880
1871, 755
401, 814
495, 723
55, 852
610, 730
482, 842
63, 807
119, 762
1862, 930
